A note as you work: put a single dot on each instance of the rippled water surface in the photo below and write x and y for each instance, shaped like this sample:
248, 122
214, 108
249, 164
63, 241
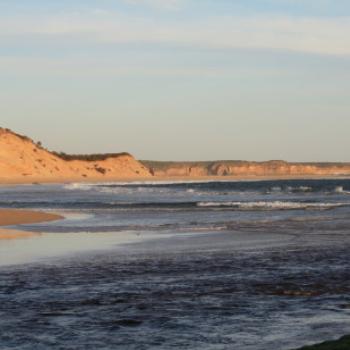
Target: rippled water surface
219, 265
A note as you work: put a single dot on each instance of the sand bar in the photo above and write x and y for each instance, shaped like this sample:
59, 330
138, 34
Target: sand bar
9, 217
15, 234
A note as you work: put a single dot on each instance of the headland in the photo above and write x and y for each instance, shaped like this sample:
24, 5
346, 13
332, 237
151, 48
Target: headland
23, 161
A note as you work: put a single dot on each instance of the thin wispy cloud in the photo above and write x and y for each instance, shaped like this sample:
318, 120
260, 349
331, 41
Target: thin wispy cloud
330, 36
257, 68
158, 4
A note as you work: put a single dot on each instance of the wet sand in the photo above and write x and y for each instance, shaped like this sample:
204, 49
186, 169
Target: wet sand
15, 234
10, 217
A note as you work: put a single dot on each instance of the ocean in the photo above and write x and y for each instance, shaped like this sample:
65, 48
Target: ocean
252, 265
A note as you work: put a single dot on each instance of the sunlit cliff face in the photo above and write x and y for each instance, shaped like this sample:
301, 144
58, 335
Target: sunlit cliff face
271, 168
21, 158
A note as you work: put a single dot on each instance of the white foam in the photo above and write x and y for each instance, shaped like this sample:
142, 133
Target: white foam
292, 189
276, 205
78, 186
73, 186
305, 188
340, 189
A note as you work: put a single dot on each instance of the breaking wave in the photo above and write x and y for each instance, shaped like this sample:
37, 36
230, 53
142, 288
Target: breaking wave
340, 189
79, 186
220, 187
276, 205
193, 205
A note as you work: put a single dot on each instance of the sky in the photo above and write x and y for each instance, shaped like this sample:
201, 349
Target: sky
179, 79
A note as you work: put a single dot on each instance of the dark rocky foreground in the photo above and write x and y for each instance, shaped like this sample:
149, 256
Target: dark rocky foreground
341, 344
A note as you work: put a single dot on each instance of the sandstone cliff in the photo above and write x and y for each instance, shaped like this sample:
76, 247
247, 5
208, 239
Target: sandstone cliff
246, 169
22, 160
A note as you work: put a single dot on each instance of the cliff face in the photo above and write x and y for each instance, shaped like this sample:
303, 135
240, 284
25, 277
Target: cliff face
23, 160
241, 169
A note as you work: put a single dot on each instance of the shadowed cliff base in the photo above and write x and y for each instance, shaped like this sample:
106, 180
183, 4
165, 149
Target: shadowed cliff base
341, 344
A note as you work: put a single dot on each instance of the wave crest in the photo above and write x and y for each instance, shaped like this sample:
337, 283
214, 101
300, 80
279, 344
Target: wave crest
276, 205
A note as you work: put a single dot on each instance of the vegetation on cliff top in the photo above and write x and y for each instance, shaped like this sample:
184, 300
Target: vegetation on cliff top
65, 156
89, 157
22, 137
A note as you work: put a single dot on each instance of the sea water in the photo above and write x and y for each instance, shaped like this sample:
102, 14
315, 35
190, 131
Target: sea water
187, 265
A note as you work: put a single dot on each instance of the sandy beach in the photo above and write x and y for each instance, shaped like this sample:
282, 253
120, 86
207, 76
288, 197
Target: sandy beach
9, 217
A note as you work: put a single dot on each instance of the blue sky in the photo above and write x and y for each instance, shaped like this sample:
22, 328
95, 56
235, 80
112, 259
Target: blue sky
179, 79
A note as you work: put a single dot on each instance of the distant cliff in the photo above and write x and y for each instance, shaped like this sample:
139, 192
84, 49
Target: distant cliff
23, 160
245, 168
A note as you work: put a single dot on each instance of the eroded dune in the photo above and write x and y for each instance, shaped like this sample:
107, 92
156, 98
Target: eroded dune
22, 160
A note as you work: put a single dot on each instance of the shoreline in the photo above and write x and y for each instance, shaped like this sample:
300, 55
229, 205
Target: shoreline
42, 181
12, 217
